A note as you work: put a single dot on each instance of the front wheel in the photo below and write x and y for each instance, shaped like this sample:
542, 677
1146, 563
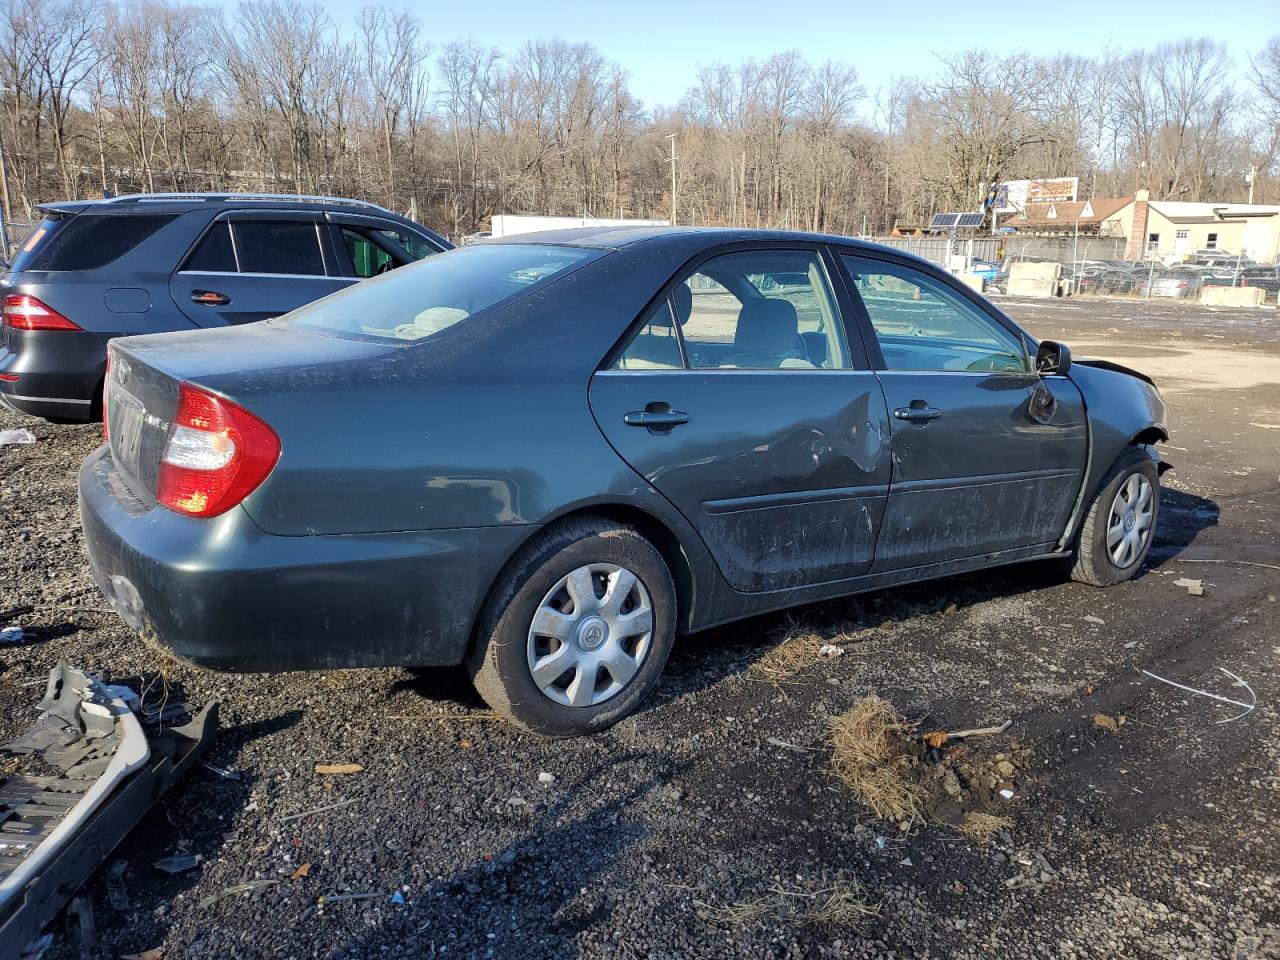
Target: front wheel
1120, 523
578, 630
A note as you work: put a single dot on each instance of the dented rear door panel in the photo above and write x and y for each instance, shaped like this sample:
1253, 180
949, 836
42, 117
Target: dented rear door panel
784, 473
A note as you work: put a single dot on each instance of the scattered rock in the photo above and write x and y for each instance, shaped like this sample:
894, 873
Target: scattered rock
1105, 722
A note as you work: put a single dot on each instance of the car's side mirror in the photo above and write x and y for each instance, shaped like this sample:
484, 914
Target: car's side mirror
1053, 357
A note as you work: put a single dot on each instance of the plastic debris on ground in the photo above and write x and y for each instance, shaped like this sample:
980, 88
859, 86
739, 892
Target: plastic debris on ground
36, 948
16, 437
234, 890
11, 636
179, 863
117, 895
1194, 587
81, 776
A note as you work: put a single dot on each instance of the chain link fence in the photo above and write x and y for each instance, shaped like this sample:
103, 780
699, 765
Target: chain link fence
1091, 266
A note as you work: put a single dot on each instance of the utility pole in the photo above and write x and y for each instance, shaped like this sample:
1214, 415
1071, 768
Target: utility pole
1249, 178
672, 160
5, 205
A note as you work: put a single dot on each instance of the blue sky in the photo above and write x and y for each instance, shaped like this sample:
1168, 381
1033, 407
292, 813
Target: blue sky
661, 42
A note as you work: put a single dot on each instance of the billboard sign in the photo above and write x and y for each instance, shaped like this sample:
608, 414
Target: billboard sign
1013, 196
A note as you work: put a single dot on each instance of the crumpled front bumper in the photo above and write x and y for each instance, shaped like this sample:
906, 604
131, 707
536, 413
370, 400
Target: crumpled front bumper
57, 828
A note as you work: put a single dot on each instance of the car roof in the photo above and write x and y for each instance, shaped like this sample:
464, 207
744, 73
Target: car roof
694, 238
181, 202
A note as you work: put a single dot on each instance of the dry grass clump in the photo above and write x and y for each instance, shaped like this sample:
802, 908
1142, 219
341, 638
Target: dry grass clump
742, 914
983, 827
843, 904
796, 651
871, 745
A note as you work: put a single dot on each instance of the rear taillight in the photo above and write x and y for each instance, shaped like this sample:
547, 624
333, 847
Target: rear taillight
216, 455
25, 312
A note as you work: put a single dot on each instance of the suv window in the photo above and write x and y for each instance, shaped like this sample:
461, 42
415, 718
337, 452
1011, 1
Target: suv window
288, 247
87, 241
922, 325
367, 257
213, 253
410, 242
757, 310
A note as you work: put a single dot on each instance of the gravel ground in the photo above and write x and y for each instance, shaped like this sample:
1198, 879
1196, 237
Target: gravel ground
710, 824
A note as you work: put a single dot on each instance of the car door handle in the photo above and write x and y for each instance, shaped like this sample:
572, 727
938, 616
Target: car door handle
655, 419
915, 414
210, 298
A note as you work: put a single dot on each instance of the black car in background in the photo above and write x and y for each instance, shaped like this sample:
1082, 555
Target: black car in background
1267, 278
151, 263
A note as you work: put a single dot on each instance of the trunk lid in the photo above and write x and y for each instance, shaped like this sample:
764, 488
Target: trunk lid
146, 372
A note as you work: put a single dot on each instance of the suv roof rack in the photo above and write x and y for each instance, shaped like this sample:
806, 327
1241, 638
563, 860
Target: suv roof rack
252, 197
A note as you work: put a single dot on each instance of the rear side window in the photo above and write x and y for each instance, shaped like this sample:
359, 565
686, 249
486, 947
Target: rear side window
213, 253
87, 241
367, 257
411, 243
289, 248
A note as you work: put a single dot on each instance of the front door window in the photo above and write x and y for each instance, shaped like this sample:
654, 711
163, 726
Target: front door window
922, 325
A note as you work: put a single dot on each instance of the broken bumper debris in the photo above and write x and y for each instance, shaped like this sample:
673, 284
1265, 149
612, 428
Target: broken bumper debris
73, 786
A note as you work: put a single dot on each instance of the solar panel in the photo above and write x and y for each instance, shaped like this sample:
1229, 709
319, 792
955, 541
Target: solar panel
942, 221
969, 220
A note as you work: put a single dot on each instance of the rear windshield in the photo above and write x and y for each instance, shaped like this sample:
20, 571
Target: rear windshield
85, 241
422, 299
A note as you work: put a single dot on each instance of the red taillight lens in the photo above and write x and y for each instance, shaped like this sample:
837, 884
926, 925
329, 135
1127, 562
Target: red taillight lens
24, 312
216, 455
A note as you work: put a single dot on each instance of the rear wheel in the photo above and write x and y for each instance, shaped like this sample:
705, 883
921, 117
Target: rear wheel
1120, 523
578, 630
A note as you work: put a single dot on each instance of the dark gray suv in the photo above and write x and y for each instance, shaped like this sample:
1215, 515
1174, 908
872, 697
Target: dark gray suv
151, 263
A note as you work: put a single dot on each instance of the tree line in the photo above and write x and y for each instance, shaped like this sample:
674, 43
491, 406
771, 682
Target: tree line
160, 95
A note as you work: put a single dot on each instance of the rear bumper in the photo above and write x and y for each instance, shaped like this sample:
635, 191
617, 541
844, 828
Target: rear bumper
223, 594
59, 372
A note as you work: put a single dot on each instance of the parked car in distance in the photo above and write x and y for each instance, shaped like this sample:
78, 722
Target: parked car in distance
1267, 278
476, 237
1171, 283
546, 456
985, 269
148, 263
1111, 282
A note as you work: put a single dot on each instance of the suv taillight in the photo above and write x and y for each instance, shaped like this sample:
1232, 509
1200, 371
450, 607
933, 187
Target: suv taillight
25, 312
217, 454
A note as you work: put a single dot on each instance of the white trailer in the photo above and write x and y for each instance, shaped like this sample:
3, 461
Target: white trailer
508, 225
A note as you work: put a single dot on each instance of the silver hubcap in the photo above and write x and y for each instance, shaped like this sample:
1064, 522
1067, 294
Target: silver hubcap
1129, 525
590, 635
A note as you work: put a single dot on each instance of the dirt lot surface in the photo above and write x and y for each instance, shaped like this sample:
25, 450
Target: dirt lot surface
711, 824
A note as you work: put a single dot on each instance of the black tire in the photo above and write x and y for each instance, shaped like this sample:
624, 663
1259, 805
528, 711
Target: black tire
499, 659
1093, 562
